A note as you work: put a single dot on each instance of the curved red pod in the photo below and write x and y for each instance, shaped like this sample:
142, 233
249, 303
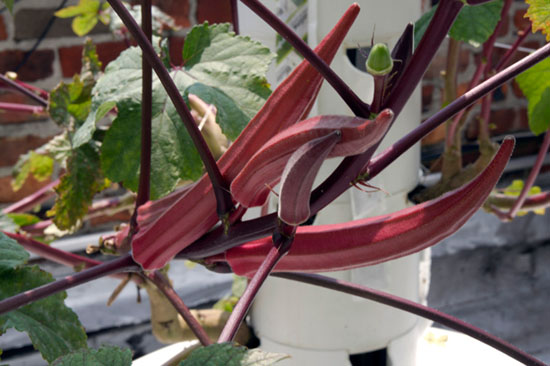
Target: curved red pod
298, 177
251, 187
163, 232
377, 239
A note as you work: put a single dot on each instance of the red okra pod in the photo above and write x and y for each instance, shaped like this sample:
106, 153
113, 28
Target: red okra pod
377, 239
251, 187
193, 212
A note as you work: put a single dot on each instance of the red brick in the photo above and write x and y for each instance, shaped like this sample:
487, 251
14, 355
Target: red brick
214, 11
13, 147
70, 57
178, 9
7, 195
3, 30
38, 66
523, 120
435, 136
503, 31
30, 23
462, 88
176, 46
427, 97
7, 117
502, 121
520, 22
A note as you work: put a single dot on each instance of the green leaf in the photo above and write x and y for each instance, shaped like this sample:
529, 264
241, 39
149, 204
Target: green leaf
12, 254
21, 172
9, 5
53, 328
516, 187
221, 69
172, 156
474, 24
77, 187
539, 114
539, 15
534, 83
230, 113
235, 65
40, 166
70, 103
23, 219
91, 66
83, 24
226, 354
105, 356
86, 15
83, 7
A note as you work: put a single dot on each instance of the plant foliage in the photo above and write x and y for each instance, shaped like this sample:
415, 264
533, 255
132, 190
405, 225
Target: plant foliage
227, 354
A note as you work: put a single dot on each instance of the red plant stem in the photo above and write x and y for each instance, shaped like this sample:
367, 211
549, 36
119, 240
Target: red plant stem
281, 245
532, 176
235, 16
17, 107
38, 228
489, 45
414, 308
485, 67
358, 107
378, 97
21, 89
32, 200
510, 52
53, 254
498, 201
164, 286
382, 160
485, 117
58, 256
350, 168
451, 131
217, 241
39, 91
121, 264
146, 116
438, 28
221, 188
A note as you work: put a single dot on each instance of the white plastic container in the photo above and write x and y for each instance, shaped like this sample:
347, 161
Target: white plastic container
321, 327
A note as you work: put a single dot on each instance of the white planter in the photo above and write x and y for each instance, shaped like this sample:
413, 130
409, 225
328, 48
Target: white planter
321, 327
169, 355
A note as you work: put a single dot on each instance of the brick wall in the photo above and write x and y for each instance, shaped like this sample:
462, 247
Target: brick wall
509, 109
58, 58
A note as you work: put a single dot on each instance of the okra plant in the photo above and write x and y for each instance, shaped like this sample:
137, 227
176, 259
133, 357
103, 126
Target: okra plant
200, 144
